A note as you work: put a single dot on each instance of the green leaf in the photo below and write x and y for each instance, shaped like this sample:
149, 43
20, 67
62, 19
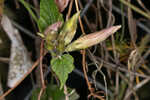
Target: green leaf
28, 7
49, 14
55, 93
52, 92
62, 66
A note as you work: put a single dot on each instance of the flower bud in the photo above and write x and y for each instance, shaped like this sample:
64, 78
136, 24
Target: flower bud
92, 39
51, 34
69, 29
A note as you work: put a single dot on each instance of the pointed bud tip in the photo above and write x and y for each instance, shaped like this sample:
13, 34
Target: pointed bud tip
77, 14
92, 39
113, 29
117, 27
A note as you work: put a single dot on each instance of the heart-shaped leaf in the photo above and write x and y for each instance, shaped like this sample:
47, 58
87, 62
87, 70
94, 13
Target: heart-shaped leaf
62, 66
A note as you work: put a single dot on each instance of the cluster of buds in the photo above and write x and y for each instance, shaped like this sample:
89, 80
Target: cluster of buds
58, 37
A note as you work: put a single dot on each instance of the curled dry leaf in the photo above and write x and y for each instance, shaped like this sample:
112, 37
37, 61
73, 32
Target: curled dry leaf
61, 4
91, 39
19, 63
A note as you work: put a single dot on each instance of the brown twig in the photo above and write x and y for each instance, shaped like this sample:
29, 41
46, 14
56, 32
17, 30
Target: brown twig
84, 62
41, 70
138, 86
69, 11
132, 27
40, 94
143, 6
66, 93
84, 71
130, 88
122, 68
92, 28
11, 89
86, 78
83, 52
81, 25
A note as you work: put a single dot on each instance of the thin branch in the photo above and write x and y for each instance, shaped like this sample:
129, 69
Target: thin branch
66, 93
69, 11
141, 25
81, 25
86, 8
41, 70
27, 32
114, 67
11, 89
79, 73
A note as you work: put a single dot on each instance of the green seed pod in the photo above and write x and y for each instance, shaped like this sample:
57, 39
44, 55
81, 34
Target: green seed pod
91, 39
